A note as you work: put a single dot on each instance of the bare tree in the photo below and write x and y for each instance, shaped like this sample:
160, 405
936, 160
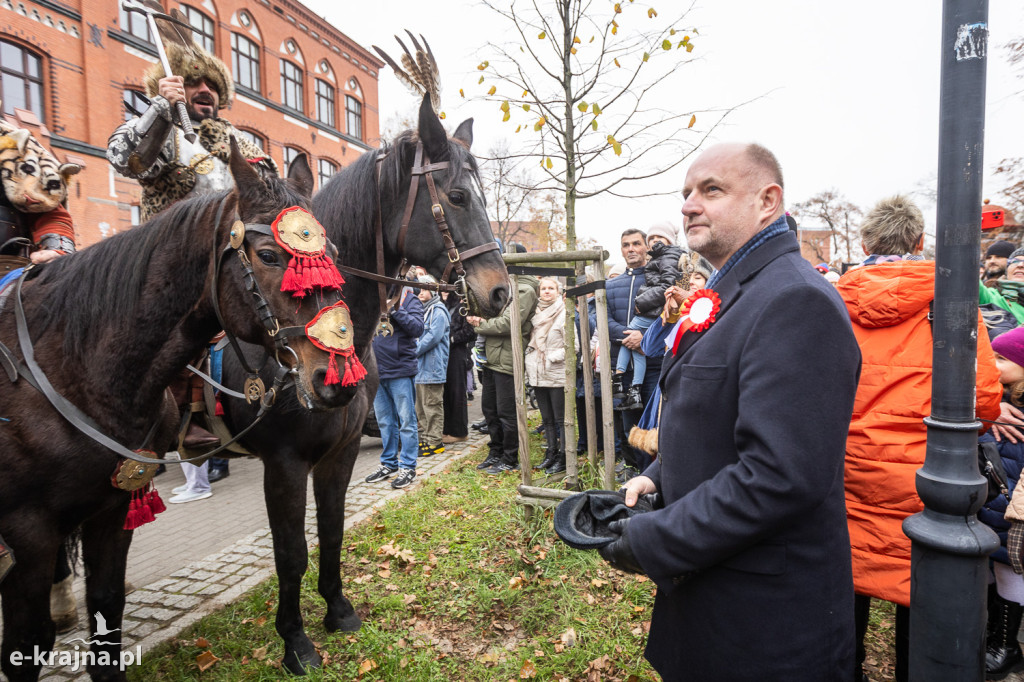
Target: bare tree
593, 91
508, 189
831, 209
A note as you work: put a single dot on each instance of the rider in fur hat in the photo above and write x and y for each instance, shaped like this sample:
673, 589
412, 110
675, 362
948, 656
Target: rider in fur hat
152, 148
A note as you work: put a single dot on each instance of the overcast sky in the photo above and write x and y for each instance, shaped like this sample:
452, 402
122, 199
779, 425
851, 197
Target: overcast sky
849, 90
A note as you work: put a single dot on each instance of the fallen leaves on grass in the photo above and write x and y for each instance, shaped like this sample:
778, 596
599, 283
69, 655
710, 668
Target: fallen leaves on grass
260, 653
203, 643
206, 660
528, 671
569, 637
366, 665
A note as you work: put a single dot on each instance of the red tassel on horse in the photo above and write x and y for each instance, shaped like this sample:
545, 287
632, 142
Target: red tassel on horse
354, 370
298, 233
332, 372
331, 331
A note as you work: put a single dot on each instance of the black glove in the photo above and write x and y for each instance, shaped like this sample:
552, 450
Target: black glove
618, 552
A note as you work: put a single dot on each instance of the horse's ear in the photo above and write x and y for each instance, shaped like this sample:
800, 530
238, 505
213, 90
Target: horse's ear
464, 133
243, 172
432, 133
301, 175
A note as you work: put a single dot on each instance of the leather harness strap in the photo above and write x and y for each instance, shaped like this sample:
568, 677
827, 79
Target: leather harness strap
421, 166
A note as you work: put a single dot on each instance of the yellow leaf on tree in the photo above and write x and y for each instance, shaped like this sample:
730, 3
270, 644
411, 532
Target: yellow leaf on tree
506, 117
482, 65
616, 147
583, 106
576, 39
618, 8
686, 39
518, 128
504, 106
671, 31
651, 13
596, 109
461, 92
542, 35
493, 90
480, 81
526, 107
548, 162
617, 63
666, 44
646, 56
593, 124
693, 119
615, 30
689, 47
540, 123
572, 50
591, 39
525, 93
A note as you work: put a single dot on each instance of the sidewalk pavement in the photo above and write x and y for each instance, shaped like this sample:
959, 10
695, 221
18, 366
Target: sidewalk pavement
200, 556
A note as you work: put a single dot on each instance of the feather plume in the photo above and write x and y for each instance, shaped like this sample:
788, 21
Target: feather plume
418, 70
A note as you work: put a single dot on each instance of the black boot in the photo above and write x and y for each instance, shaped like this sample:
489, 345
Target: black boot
549, 459
1003, 655
632, 401
558, 466
618, 390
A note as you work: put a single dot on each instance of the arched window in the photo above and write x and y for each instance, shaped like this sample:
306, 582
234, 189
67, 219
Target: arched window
253, 137
325, 169
324, 102
245, 62
290, 154
203, 28
353, 117
291, 85
21, 79
135, 104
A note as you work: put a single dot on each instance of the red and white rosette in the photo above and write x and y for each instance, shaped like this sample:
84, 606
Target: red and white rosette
697, 313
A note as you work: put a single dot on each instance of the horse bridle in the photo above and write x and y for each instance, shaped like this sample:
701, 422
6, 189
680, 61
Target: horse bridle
34, 375
421, 166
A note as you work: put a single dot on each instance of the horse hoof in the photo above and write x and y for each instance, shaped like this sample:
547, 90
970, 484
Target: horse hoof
300, 664
349, 623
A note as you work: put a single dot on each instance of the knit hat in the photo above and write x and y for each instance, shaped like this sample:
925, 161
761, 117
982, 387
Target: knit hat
1002, 249
1011, 345
193, 65
616, 270
666, 230
1017, 253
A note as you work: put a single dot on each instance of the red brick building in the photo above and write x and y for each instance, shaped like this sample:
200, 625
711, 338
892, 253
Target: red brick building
66, 66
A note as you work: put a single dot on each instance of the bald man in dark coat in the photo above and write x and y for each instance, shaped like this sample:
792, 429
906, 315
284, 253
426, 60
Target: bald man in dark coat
750, 553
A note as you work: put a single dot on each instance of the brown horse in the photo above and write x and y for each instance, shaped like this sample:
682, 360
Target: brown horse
111, 327
291, 442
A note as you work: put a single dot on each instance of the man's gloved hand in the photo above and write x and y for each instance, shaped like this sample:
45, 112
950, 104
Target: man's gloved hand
619, 553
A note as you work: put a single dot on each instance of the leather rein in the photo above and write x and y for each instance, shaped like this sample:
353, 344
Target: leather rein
254, 389
421, 167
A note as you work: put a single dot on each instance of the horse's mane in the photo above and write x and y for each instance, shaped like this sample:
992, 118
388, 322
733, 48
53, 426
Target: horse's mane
350, 197
109, 277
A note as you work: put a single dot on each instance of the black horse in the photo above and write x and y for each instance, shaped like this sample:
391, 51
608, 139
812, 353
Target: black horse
111, 327
290, 442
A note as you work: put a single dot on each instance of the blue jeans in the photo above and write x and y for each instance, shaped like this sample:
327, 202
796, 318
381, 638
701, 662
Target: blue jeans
395, 407
639, 359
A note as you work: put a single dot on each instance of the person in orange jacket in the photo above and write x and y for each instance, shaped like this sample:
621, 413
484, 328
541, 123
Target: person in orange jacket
889, 299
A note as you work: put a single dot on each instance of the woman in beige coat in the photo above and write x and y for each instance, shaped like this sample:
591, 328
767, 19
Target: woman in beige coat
545, 371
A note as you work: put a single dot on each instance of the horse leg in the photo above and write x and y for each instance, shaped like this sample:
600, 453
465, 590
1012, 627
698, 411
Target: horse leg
331, 477
284, 487
105, 546
25, 598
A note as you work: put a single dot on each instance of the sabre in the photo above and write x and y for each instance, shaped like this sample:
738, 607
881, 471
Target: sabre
183, 118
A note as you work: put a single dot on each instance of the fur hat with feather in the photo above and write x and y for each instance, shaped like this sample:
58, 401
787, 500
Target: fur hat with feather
190, 61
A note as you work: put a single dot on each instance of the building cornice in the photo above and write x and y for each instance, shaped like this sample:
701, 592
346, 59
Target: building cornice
322, 25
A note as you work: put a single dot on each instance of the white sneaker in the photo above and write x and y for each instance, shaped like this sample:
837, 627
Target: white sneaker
180, 489
190, 497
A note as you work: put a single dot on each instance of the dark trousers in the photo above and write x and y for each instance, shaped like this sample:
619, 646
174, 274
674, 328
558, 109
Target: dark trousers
861, 608
456, 409
551, 402
498, 402
631, 456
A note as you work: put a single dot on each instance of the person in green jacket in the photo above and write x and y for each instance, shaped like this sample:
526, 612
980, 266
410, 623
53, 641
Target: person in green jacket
498, 397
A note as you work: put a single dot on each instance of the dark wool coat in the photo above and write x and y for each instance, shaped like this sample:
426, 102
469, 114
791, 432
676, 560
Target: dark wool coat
661, 272
751, 554
991, 514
